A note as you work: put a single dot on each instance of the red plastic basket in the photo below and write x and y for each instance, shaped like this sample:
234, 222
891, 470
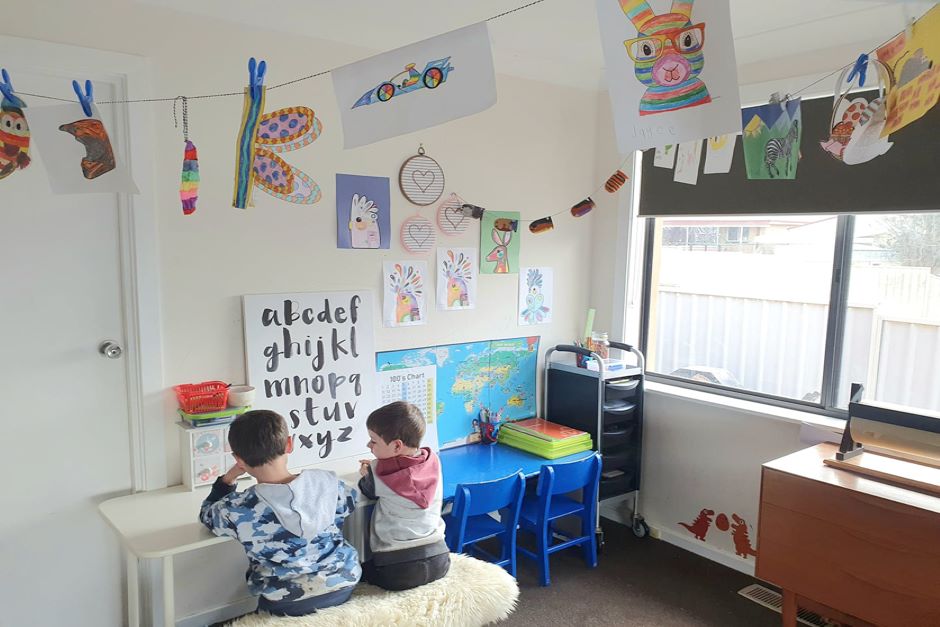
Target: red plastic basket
202, 398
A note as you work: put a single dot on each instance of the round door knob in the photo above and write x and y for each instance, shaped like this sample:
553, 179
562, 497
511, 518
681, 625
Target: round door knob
110, 349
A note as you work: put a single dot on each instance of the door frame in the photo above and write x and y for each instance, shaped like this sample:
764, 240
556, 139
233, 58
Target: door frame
137, 227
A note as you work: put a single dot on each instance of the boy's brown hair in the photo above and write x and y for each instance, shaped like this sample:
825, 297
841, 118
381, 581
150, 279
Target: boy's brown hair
398, 421
258, 436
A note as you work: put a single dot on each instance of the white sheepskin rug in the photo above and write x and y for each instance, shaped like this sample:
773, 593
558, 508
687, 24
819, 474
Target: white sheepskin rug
474, 593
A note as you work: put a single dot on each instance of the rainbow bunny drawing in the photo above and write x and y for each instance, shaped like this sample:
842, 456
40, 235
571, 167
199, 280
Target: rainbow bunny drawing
535, 311
363, 223
500, 254
667, 55
459, 273
406, 284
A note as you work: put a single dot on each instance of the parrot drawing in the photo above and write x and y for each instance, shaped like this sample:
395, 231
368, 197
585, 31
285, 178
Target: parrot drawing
459, 271
407, 285
534, 311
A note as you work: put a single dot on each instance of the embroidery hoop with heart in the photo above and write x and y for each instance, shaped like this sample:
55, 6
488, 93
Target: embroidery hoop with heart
450, 219
421, 179
417, 235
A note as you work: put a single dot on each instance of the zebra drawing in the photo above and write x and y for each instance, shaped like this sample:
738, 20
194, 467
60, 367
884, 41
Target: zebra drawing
782, 148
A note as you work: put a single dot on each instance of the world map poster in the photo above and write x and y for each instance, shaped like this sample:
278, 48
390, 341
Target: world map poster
498, 375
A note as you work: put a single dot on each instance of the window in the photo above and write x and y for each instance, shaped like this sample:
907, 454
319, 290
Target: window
759, 309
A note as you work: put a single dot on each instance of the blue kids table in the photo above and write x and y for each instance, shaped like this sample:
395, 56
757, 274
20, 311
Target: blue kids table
475, 463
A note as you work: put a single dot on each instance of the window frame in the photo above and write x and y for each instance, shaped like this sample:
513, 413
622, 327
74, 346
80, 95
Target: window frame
835, 329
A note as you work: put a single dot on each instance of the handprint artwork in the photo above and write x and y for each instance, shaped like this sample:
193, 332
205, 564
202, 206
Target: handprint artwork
363, 219
535, 296
456, 278
404, 303
363, 223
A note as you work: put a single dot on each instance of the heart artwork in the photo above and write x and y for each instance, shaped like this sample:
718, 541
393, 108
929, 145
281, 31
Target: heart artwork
417, 235
450, 219
424, 180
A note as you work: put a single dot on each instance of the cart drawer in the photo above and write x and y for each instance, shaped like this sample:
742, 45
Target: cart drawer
618, 434
621, 484
619, 457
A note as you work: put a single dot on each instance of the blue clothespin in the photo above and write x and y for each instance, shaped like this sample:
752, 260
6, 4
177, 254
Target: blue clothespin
256, 72
860, 68
6, 88
87, 98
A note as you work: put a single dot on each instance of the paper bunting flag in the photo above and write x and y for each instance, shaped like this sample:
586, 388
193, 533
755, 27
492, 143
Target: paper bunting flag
542, 225
688, 158
617, 180
189, 180
259, 138
665, 157
456, 278
582, 208
719, 153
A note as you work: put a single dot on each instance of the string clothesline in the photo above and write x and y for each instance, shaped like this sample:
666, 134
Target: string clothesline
528, 5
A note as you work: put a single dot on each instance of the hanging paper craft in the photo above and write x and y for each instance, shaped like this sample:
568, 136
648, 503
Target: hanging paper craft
542, 225
417, 235
421, 179
771, 140
536, 291
582, 208
665, 157
404, 302
189, 178
363, 212
260, 136
14, 131
456, 278
450, 219
499, 228
615, 182
77, 152
418, 86
914, 61
719, 153
857, 124
688, 158
661, 87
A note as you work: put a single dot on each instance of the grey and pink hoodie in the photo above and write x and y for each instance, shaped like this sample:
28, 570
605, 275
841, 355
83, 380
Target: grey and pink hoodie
406, 521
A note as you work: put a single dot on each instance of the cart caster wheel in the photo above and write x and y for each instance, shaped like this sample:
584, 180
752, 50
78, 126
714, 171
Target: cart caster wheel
599, 538
640, 528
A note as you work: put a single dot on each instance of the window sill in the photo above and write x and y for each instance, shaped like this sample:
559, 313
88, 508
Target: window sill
753, 408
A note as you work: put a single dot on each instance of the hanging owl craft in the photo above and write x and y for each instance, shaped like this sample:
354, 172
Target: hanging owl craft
668, 56
14, 136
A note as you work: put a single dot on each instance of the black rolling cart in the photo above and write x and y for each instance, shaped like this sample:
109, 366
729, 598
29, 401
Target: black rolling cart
608, 404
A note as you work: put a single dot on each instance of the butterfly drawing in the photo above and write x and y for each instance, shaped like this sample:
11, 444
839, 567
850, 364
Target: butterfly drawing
262, 137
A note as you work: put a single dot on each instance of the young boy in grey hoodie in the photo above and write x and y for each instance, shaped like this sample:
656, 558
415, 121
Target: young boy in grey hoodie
406, 531
289, 525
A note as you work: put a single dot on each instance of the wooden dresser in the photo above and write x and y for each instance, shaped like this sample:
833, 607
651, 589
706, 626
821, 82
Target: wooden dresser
829, 537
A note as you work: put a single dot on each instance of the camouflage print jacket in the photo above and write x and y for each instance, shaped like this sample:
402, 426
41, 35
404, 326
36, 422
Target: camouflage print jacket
291, 533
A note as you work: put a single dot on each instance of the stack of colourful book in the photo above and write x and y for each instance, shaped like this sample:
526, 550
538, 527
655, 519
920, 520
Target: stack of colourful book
543, 438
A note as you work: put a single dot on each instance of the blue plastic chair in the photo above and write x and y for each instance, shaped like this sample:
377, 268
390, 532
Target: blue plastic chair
469, 521
550, 504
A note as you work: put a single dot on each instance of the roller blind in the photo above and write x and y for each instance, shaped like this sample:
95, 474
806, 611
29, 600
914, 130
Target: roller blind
906, 179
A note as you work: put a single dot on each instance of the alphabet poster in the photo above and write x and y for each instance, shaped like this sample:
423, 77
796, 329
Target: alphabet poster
456, 278
363, 211
405, 299
77, 152
671, 70
417, 86
310, 358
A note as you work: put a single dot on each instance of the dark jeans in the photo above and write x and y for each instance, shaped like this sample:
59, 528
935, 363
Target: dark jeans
406, 575
305, 606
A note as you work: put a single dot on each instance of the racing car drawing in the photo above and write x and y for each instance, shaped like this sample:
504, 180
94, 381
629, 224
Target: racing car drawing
409, 80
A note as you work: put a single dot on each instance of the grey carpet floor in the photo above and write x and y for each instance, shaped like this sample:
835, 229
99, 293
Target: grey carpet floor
636, 583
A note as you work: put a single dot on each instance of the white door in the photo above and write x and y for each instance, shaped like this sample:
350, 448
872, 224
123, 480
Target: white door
64, 423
